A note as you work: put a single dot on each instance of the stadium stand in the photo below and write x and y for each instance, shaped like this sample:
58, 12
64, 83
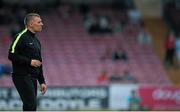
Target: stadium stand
72, 56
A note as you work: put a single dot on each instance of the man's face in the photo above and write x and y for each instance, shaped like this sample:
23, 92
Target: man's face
36, 24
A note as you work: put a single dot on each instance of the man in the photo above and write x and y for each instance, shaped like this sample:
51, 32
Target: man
25, 54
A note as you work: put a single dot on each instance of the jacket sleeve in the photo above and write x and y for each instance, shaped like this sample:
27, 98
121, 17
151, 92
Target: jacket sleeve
41, 79
15, 55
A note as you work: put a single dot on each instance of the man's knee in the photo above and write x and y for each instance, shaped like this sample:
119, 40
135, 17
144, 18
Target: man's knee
30, 106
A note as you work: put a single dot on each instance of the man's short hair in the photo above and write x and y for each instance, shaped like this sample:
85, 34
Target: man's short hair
29, 17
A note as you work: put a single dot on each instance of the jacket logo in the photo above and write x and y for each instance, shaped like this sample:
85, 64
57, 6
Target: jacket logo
30, 43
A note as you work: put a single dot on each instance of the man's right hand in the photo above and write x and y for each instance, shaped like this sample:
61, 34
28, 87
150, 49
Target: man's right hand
35, 63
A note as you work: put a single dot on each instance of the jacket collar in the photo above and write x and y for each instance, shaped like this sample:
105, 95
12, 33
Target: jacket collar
31, 33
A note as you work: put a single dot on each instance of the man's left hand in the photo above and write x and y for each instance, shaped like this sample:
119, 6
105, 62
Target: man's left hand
43, 88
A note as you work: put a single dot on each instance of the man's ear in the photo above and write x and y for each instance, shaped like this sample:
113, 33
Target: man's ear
30, 23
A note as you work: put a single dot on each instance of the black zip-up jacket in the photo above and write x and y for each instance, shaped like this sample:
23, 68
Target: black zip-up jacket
23, 49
